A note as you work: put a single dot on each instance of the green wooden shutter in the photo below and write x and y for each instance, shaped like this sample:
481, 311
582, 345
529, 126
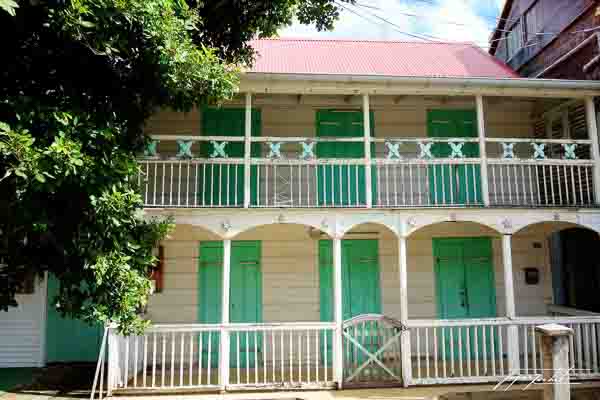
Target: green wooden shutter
465, 287
337, 184
449, 123
228, 122
210, 279
245, 294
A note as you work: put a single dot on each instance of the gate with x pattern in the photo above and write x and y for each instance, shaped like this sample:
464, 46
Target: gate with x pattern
372, 354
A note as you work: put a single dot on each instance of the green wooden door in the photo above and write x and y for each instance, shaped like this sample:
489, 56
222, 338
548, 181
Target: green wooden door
225, 183
245, 301
67, 339
342, 185
361, 293
456, 184
464, 284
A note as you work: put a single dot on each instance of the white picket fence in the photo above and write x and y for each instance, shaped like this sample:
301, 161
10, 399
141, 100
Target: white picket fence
301, 355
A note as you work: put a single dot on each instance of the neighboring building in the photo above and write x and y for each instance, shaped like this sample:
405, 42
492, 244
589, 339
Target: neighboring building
364, 214
553, 39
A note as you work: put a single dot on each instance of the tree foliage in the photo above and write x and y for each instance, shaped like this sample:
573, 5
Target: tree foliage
79, 79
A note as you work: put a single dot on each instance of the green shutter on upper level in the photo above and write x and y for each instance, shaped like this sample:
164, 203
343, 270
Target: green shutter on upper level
342, 185
466, 179
226, 185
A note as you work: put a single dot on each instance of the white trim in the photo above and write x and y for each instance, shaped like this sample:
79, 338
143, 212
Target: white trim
43, 287
367, 148
338, 360
225, 348
482, 150
229, 223
382, 84
247, 148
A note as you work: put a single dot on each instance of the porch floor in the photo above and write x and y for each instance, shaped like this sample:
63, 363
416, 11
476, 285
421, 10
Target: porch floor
580, 391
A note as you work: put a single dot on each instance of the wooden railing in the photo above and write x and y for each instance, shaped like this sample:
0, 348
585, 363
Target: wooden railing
300, 355
488, 350
205, 171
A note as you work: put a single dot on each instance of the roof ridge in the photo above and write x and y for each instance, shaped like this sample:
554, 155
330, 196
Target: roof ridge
349, 40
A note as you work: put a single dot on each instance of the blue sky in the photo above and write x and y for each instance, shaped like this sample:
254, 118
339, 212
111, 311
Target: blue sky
450, 20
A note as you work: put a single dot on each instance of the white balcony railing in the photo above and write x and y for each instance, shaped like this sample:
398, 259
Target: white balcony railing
400, 172
301, 355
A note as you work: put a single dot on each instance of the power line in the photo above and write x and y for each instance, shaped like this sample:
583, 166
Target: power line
398, 28
416, 36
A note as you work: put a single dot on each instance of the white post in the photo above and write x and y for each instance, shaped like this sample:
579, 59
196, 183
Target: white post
554, 341
485, 193
224, 348
367, 143
338, 361
509, 297
590, 114
247, 149
114, 362
405, 335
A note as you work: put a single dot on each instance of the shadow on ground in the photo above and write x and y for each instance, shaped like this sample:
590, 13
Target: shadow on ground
57, 380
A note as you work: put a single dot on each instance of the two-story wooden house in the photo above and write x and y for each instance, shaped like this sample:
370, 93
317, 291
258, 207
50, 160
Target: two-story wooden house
362, 214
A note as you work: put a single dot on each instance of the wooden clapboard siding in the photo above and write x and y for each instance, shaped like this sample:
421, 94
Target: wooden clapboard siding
22, 330
282, 116
291, 281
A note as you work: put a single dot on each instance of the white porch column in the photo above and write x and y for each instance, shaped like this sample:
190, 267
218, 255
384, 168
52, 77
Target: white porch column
224, 343
485, 193
405, 336
247, 148
509, 295
367, 143
592, 127
338, 361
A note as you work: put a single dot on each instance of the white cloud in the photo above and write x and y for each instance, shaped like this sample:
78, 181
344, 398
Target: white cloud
434, 20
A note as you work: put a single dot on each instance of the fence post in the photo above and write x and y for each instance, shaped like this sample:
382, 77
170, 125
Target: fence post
338, 360
114, 367
405, 335
224, 348
555, 360
509, 294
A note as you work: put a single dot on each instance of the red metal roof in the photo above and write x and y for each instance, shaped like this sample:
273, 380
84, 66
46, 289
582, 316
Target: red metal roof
386, 58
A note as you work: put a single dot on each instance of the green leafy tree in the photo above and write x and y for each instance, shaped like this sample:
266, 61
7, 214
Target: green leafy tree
79, 79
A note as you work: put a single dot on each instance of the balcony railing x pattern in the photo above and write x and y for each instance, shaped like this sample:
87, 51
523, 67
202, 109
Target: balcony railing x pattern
227, 171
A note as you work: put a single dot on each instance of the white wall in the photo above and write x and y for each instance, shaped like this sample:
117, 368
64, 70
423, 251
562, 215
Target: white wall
22, 330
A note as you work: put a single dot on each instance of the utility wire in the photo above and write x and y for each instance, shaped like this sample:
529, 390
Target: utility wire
374, 22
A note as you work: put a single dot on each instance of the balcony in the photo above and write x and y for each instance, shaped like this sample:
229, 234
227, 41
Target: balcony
507, 153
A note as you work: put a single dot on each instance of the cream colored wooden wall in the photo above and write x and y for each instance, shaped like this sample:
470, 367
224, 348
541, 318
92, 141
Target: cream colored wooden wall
394, 116
291, 279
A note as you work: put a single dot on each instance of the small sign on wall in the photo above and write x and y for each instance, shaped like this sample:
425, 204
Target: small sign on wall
532, 276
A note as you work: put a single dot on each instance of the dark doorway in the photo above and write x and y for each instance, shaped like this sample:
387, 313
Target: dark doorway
576, 269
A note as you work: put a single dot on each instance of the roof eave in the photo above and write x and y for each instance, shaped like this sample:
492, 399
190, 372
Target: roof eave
571, 88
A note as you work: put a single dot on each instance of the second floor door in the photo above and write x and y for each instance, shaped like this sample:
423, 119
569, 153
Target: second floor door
454, 183
342, 184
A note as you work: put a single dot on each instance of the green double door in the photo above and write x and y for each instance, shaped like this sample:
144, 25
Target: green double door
69, 340
458, 183
361, 291
245, 296
224, 183
464, 285
342, 185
